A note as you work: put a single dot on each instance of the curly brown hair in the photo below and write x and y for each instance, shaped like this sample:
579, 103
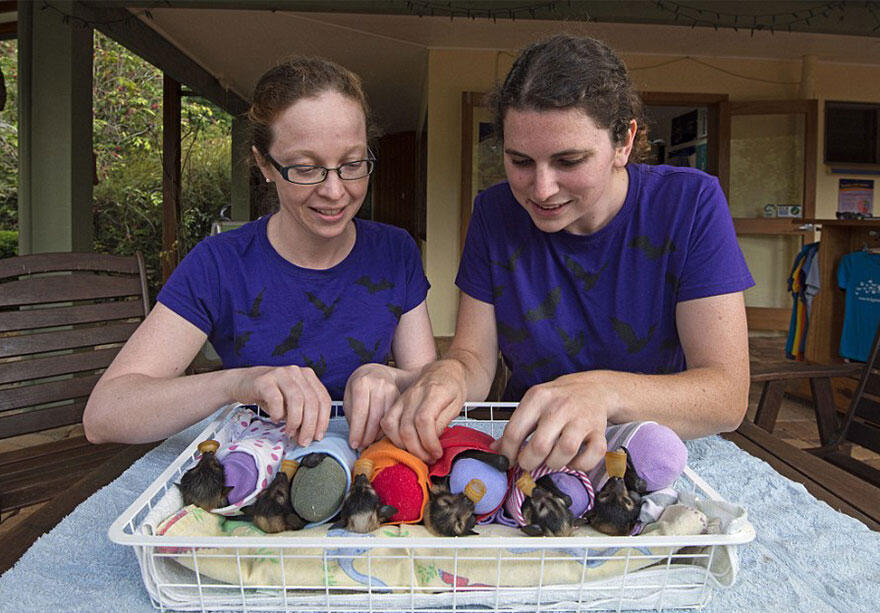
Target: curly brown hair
568, 71
292, 80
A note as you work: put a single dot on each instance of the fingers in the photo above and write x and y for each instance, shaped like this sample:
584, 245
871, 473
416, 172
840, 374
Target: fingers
521, 424
592, 452
357, 406
399, 424
380, 401
567, 445
314, 404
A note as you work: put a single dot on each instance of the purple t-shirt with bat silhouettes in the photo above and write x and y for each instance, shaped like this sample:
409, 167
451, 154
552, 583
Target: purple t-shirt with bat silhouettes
258, 309
566, 303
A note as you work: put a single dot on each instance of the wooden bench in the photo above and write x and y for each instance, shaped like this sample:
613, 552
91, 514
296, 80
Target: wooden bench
63, 317
830, 472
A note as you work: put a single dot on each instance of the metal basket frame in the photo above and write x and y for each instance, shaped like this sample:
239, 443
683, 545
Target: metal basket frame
656, 587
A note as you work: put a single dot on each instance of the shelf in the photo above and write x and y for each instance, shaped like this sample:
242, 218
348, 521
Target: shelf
771, 226
845, 223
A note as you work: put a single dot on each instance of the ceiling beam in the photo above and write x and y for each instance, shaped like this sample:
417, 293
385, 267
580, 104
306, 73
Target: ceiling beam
8, 30
128, 30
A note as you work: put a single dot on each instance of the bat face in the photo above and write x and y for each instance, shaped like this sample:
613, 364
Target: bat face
272, 511
362, 510
202, 485
616, 510
448, 514
546, 512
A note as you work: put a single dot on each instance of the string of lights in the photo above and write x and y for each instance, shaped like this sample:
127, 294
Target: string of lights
71, 18
425, 8
773, 22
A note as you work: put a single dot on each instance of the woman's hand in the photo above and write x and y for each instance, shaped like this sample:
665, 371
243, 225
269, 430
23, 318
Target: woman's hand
567, 418
421, 413
369, 392
292, 394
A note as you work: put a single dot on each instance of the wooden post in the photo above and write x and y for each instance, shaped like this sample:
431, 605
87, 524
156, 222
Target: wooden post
170, 174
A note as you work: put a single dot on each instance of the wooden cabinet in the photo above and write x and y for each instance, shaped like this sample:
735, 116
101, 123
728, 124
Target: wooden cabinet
839, 237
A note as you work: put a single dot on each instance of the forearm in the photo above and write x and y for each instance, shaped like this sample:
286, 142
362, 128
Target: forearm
694, 403
136, 408
473, 374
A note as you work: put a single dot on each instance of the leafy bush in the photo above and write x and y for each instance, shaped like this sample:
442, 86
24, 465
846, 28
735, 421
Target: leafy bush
8, 243
9, 138
127, 206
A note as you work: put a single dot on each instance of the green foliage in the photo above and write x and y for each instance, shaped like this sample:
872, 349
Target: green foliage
9, 138
128, 145
8, 243
127, 208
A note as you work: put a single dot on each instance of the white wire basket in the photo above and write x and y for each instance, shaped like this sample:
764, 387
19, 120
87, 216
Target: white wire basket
404, 568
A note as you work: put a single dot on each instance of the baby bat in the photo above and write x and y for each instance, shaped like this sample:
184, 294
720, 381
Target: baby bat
272, 511
618, 504
203, 484
616, 510
362, 511
546, 511
448, 514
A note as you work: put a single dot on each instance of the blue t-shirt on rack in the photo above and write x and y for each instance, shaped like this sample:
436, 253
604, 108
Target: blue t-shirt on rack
259, 309
566, 303
859, 275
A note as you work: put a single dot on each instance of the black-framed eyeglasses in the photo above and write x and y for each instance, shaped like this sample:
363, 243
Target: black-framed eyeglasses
311, 174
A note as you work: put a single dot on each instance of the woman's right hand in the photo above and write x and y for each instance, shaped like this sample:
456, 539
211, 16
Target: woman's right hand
414, 422
292, 394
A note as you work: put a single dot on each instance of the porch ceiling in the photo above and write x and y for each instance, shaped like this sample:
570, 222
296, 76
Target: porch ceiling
387, 41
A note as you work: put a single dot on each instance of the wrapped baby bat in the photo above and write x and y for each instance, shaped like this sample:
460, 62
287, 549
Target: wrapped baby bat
203, 485
362, 510
272, 511
546, 509
454, 514
618, 504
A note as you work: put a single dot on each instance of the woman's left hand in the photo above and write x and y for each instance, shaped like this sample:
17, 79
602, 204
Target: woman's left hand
370, 390
567, 418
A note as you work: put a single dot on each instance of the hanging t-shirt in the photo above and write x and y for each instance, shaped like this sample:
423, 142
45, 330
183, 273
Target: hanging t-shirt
566, 303
258, 309
859, 275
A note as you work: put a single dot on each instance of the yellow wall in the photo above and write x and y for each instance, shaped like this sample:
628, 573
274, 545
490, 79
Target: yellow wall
451, 72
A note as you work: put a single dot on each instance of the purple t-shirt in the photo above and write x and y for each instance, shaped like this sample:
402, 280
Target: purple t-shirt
259, 309
566, 303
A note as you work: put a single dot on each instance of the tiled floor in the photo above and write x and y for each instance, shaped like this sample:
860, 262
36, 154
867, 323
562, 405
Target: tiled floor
796, 424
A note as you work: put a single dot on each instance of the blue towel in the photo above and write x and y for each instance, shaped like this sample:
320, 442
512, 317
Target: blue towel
806, 557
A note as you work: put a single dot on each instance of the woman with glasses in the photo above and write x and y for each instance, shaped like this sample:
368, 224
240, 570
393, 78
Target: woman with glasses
303, 306
613, 289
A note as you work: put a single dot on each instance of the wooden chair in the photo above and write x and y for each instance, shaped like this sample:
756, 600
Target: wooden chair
63, 317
